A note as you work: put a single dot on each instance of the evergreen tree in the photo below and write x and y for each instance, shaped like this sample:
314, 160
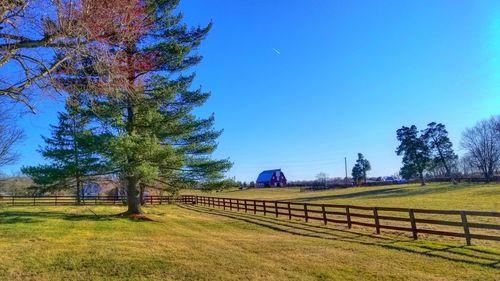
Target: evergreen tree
441, 147
357, 174
139, 91
416, 153
73, 151
364, 165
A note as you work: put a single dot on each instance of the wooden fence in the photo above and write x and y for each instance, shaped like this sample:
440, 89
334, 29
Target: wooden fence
407, 220
93, 200
378, 218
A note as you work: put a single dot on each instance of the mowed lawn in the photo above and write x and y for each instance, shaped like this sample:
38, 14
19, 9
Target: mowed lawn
479, 197
198, 243
201, 243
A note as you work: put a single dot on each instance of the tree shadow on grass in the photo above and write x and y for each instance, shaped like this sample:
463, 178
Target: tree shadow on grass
11, 217
465, 254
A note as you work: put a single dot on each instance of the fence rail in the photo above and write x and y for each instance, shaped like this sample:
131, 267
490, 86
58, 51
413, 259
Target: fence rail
378, 218
415, 221
90, 200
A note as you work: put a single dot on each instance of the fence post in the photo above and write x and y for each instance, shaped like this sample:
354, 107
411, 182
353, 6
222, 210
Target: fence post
246, 207
264, 206
413, 224
377, 223
276, 208
151, 199
324, 213
289, 211
231, 204
348, 215
224, 202
254, 207
238, 205
466, 227
305, 212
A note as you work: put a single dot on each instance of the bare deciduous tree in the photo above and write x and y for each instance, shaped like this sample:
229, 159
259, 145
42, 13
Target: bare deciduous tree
482, 143
322, 178
10, 135
24, 39
37, 37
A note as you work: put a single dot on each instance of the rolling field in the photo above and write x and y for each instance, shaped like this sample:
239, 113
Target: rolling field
479, 197
199, 243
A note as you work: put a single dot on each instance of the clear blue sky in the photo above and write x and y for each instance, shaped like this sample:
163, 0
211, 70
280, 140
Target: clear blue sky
349, 74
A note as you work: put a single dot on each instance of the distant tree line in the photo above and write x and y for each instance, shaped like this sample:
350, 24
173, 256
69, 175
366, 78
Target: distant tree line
429, 152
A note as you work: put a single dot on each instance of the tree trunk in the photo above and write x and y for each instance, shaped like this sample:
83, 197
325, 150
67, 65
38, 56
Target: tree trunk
133, 192
422, 180
487, 177
78, 192
141, 187
133, 197
448, 171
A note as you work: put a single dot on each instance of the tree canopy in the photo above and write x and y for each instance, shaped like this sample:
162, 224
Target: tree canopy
75, 151
482, 143
360, 169
137, 90
415, 151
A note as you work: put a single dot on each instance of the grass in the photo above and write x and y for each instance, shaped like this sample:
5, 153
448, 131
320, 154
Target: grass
199, 243
478, 197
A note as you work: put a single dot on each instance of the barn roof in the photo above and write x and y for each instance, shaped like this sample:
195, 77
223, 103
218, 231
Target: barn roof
266, 176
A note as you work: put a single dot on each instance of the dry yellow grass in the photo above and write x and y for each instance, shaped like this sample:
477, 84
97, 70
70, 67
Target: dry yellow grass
196, 243
479, 197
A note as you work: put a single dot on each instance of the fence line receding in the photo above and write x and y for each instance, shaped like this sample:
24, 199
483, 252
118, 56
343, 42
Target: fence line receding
414, 221
378, 218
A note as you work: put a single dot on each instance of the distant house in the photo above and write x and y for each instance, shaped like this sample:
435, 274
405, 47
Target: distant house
90, 190
271, 178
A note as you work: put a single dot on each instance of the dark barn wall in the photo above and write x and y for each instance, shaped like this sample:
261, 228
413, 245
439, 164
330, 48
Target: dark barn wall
274, 180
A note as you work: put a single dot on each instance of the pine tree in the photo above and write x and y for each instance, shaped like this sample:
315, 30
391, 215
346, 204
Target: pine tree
357, 174
441, 147
364, 165
416, 153
74, 154
138, 90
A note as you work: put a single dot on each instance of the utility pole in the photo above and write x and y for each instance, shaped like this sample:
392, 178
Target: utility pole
345, 161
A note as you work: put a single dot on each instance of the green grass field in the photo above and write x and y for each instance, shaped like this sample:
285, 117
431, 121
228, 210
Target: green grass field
477, 197
199, 243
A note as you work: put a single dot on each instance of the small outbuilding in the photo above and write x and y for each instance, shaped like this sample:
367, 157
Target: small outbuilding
271, 178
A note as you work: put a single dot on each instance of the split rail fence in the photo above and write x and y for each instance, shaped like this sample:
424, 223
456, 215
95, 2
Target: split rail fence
415, 221
55, 200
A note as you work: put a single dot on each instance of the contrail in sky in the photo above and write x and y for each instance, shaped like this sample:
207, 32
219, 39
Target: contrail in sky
277, 52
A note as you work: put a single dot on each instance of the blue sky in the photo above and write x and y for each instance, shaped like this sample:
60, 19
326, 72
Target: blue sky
349, 74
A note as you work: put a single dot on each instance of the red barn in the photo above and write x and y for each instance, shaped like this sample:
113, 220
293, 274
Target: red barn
271, 178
